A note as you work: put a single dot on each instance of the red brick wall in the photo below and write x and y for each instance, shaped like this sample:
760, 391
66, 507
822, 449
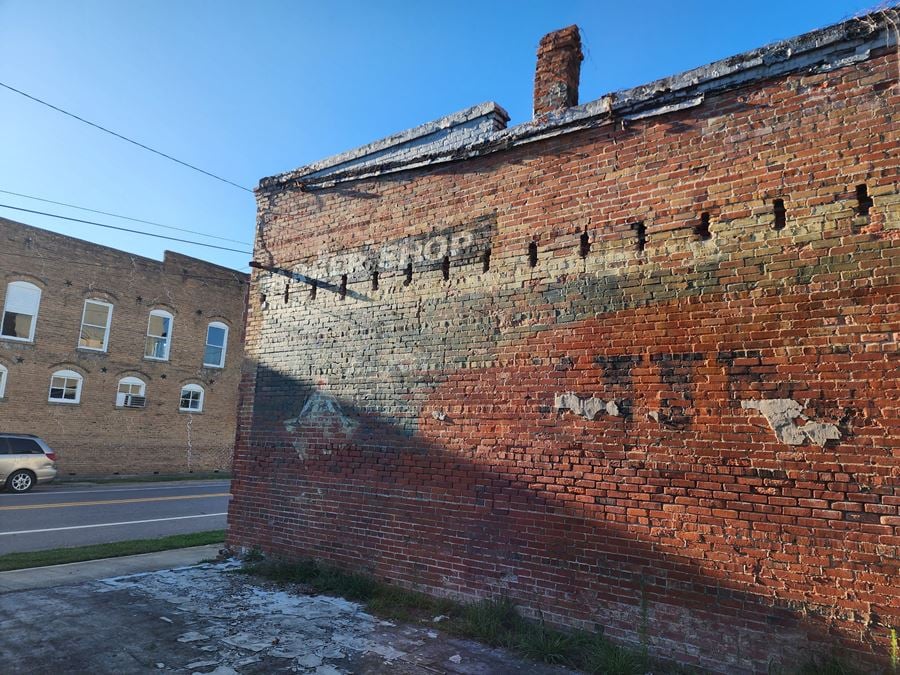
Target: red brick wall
96, 437
420, 431
558, 71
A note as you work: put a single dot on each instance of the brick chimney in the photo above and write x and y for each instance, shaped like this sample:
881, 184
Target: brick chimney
558, 70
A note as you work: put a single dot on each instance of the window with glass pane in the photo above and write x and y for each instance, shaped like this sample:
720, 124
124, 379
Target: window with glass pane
159, 336
65, 387
130, 393
20, 311
95, 322
191, 398
3, 374
216, 341
23, 446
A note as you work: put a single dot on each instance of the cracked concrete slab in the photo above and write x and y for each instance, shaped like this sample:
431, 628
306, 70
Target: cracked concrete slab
209, 619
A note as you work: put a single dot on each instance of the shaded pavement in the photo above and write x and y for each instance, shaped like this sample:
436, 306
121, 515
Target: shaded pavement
209, 619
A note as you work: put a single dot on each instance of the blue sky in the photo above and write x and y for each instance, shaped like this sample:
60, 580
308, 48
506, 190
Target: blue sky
251, 89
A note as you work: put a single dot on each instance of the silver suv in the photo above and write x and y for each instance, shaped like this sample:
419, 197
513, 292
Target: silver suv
24, 461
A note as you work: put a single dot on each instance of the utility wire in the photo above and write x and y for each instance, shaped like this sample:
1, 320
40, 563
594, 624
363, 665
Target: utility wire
116, 215
124, 229
124, 138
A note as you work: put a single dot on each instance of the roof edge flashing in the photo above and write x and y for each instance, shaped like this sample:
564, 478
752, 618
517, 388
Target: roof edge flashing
455, 129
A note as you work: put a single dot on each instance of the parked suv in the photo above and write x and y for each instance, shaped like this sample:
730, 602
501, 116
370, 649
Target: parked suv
24, 461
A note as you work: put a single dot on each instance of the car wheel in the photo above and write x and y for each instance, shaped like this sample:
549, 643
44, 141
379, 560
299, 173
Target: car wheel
20, 481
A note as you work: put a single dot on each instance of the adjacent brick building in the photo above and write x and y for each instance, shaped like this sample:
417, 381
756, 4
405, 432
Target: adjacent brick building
632, 364
121, 363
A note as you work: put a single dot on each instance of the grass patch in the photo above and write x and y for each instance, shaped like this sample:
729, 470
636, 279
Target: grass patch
494, 622
59, 556
833, 664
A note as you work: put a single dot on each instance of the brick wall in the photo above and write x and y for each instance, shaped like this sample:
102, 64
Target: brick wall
568, 385
95, 436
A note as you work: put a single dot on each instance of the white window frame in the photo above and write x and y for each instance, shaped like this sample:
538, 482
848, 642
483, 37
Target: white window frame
196, 388
27, 286
66, 375
168, 338
105, 328
130, 381
223, 347
4, 376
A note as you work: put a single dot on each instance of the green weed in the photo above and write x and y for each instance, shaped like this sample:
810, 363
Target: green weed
492, 621
496, 622
895, 657
832, 664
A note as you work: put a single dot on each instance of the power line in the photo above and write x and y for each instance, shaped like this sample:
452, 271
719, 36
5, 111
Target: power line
123, 229
124, 138
117, 215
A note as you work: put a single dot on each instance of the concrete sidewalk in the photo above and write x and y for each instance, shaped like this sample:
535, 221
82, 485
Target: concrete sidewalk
74, 573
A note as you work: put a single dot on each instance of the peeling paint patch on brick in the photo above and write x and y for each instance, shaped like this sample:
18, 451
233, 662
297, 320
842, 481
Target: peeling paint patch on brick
588, 408
780, 413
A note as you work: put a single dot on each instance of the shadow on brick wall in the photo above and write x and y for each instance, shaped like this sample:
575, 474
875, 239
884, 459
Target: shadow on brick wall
320, 476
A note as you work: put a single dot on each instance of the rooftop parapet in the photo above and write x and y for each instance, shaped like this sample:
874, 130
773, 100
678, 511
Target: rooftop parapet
482, 129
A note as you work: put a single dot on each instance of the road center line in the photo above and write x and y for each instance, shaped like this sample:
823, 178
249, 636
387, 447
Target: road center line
129, 522
104, 502
53, 492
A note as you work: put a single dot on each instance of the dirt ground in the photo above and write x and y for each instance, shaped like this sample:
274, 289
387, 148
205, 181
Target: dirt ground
208, 619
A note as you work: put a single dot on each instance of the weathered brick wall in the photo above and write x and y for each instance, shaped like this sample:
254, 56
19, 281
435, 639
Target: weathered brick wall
95, 436
685, 439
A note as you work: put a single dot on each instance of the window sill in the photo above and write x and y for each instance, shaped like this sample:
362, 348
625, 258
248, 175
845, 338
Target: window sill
91, 350
150, 358
190, 412
212, 367
129, 407
64, 402
24, 341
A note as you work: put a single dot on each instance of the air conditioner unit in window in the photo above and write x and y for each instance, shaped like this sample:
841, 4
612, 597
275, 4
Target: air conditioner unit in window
135, 401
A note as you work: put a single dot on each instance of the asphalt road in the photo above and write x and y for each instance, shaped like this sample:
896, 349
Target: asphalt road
63, 515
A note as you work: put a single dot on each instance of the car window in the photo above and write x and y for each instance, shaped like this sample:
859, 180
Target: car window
24, 446
4, 446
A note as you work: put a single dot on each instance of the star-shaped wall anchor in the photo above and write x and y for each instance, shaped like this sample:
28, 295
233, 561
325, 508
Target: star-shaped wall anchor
139, 299
68, 283
103, 370
20, 359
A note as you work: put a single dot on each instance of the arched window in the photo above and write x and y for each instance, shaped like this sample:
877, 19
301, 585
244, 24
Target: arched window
20, 311
131, 393
4, 373
65, 387
191, 398
95, 320
216, 344
159, 335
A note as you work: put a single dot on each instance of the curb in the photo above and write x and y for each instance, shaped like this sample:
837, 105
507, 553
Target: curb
66, 574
